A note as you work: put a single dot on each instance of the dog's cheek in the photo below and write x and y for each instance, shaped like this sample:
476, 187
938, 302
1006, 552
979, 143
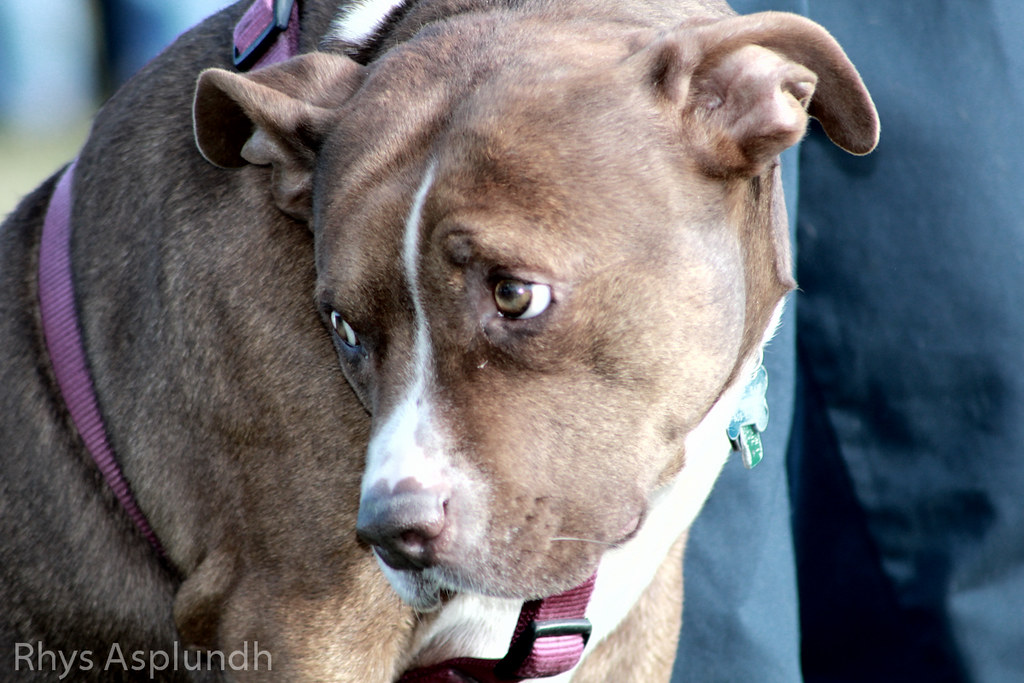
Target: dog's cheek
550, 458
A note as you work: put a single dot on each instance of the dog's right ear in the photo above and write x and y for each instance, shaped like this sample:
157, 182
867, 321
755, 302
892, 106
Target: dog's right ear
276, 116
744, 86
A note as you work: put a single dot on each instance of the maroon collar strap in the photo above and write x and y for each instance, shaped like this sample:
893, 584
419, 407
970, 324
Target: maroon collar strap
267, 33
549, 640
67, 353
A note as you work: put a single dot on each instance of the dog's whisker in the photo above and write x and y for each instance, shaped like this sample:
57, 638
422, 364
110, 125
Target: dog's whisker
583, 540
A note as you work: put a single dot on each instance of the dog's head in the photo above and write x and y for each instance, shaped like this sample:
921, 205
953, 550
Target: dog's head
544, 252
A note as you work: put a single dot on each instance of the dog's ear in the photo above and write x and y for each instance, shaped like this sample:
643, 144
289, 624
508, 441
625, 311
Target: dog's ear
276, 116
745, 86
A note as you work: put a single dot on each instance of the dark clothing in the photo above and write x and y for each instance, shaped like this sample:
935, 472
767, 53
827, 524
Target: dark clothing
906, 452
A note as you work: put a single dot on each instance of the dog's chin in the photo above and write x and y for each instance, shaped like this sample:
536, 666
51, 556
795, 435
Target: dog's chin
428, 589
423, 590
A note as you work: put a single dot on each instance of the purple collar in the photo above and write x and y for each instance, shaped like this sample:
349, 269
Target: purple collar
551, 633
67, 353
267, 33
548, 640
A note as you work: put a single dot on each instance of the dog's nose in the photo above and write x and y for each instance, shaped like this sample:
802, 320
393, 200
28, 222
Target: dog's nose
404, 525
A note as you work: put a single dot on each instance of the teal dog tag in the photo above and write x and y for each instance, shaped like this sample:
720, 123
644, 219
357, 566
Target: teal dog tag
750, 420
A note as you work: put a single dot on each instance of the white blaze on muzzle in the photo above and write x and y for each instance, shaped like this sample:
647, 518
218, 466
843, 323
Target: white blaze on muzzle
406, 445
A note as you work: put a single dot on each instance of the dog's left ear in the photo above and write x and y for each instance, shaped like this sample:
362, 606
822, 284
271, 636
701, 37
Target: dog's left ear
275, 116
744, 87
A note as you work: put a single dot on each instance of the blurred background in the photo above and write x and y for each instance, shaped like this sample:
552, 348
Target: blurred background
59, 60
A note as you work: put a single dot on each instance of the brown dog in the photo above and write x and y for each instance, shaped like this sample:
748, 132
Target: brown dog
484, 284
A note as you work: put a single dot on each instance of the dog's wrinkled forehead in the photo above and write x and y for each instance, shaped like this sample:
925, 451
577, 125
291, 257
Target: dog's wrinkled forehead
541, 117
491, 111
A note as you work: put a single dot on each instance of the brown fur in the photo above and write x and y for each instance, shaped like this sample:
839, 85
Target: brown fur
224, 400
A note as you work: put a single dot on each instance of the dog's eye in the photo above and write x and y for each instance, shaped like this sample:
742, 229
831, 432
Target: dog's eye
521, 300
344, 330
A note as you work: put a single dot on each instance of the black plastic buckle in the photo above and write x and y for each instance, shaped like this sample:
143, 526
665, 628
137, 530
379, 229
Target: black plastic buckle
522, 648
245, 60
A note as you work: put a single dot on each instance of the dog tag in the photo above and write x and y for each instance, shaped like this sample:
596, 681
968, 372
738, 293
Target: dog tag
750, 420
750, 446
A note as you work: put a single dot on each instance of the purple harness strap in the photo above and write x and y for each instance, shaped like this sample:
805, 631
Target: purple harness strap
550, 635
549, 639
263, 37
64, 344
